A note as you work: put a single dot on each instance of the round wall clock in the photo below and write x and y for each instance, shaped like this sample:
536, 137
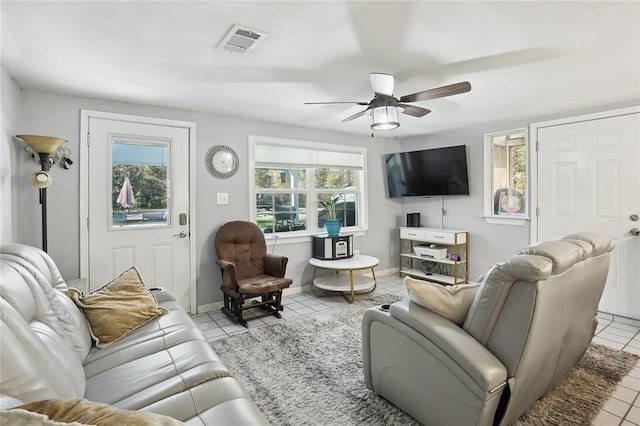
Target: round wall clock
221, 161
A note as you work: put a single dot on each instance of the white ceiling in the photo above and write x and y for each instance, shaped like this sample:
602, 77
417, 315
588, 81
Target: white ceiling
523, 59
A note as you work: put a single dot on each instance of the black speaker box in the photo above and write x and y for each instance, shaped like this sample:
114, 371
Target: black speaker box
413, 220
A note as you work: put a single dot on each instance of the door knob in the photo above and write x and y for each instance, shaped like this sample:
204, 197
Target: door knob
181, 235
634, 231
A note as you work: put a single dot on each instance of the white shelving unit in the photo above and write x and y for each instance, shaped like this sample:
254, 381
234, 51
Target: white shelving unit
455, 241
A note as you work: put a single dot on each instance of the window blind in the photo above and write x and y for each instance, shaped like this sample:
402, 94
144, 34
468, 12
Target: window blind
267, 154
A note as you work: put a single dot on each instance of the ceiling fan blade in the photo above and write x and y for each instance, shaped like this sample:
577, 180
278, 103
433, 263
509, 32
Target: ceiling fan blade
382, 83
356, 115
414, 111
329, 103
438, 92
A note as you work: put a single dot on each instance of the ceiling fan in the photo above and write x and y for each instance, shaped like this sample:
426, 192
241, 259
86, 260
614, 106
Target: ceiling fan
384, 107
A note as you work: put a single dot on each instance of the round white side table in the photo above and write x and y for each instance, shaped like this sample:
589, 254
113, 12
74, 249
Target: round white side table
339, 282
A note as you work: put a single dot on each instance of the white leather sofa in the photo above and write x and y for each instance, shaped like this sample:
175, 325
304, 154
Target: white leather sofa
165, 366
531, 320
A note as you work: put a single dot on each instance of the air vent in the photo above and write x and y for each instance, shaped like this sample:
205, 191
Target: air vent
241, 39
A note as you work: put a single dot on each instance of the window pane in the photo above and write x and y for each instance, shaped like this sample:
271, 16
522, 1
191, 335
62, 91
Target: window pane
518, 170
281, 212
140, 183
335, 178
509, 161
280, 178
346, 208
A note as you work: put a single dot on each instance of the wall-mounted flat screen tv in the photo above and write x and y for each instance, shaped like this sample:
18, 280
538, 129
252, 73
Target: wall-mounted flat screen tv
439, 171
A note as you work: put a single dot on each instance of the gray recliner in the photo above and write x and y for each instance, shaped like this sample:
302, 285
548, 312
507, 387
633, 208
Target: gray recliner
531, 320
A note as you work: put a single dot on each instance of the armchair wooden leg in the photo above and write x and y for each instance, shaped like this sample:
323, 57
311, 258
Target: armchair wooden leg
233, 309
234, 305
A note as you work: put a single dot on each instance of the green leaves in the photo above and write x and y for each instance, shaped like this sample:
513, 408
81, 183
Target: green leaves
330, 205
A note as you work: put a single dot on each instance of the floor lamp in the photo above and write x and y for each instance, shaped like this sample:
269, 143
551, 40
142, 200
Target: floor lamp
44, 146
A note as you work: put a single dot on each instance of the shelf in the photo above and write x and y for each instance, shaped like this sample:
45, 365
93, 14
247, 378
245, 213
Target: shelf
447, 261
341, 282
445, 279
453, 241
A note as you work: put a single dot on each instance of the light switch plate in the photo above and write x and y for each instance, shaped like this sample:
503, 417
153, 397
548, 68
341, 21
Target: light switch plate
223, 198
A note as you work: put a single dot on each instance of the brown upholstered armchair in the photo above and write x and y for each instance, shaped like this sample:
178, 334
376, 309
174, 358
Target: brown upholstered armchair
248, 271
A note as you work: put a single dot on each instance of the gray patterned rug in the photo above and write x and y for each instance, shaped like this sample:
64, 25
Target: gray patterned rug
308, 371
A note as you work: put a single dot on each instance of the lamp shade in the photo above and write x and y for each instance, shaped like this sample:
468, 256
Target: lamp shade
42, 144
384, 118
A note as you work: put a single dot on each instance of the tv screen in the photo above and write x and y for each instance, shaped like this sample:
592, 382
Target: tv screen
440, 171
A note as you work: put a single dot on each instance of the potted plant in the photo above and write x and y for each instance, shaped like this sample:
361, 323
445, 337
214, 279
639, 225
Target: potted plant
331, 223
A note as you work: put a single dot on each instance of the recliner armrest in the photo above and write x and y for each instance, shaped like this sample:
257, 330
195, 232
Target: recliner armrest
475, 359
275, 265
429, 367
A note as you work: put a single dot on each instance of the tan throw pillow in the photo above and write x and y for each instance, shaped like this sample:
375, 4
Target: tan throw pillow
95, 413
117, 308
450, 301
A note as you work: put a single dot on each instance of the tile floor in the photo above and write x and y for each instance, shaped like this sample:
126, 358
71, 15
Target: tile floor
622, 409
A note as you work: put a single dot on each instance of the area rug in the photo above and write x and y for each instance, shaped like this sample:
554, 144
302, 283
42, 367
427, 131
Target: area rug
308, 371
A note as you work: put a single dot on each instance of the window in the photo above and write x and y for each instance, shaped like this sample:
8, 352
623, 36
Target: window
140, 179
506, 186
290, 177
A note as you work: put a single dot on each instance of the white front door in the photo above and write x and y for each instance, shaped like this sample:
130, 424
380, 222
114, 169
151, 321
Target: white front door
138, 203
589, 180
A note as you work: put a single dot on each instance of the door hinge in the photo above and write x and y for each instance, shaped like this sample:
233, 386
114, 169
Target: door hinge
88, 139
87, 223
537, 146
537, 211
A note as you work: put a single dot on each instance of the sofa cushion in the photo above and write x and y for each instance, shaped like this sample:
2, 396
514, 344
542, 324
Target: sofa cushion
95, 413
450, 301
118, 308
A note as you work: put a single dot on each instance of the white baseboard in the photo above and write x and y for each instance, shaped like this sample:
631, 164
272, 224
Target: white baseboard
208, 307
296, 290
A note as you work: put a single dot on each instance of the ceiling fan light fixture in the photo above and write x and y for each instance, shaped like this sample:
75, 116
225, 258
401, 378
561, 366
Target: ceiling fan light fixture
384, 118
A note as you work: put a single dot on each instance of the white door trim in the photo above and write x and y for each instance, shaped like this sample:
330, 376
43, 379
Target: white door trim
85, 115
533, 143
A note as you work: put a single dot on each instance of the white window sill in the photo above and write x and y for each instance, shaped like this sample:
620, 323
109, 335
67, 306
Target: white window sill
506, 220
306, 237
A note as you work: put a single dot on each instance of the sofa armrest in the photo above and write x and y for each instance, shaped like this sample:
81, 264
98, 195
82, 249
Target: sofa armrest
161, 295
275, 265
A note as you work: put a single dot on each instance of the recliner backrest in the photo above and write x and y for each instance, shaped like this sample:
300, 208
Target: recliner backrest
536, 312
242, 243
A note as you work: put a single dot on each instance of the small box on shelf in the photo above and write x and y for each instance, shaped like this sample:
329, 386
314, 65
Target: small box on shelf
430, 252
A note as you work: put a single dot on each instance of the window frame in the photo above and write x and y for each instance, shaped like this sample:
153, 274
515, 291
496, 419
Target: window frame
310, 190
517, 219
